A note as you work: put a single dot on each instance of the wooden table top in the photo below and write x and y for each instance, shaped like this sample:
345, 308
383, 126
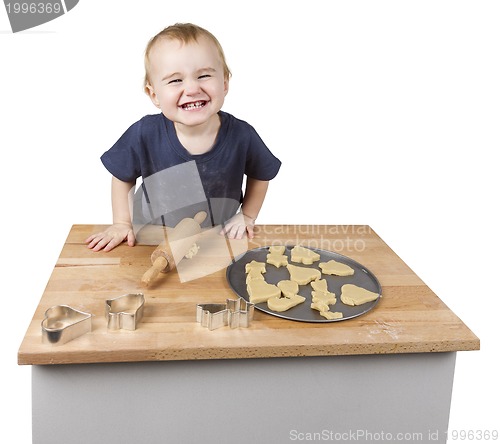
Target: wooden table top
409, 318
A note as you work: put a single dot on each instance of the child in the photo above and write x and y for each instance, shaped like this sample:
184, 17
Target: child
187, 78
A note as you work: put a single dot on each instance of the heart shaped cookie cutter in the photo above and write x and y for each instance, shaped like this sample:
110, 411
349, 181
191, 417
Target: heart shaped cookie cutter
125, 312
63, 323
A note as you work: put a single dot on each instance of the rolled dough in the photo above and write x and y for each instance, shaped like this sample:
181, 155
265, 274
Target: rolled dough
288, 288
353, 295
261, 291
336, 268
257, 266
304, 255
284, 303
303, 275
324, 296
278, 260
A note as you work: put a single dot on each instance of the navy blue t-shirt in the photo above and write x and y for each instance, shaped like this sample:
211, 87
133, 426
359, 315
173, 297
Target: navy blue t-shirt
151, 146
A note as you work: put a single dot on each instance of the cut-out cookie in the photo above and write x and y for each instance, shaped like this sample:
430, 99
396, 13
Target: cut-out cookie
289, 298
331, 314
278, 260
320, 306
303, 275
303, 255
320, 285
254, 274
261, 291
288, 288
324, 310
324, 296
276, 256
256, 266
284, 303
336, 268
254, 270
321, 293
354, 295
277, 249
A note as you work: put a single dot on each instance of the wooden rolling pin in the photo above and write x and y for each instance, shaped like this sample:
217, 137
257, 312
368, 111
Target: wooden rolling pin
170, 252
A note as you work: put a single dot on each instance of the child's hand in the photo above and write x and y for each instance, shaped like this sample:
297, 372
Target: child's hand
236, 227
111, 237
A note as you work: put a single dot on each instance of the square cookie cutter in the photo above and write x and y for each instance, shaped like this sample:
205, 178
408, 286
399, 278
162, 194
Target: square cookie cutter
63, 323
235, 313
125, 312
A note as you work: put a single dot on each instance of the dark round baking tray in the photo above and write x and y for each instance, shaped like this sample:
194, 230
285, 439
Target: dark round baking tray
362, 277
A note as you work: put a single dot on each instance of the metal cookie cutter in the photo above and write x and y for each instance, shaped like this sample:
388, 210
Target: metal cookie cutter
240, 312
125, 312
211, 316
63, 323
235, 313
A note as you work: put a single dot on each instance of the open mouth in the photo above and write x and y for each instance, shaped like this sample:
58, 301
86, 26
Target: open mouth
194, 105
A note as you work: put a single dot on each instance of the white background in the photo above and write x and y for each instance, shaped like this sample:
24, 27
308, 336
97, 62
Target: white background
393, 106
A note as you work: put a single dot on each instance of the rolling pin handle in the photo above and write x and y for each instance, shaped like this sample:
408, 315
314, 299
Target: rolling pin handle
200, 217
159, 265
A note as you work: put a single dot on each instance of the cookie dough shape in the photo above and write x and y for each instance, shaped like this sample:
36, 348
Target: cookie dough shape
336, 268
320, 306
276, 256
303, 275
320, 285
320, 292
284, 303
303, 255
324, 310
255, 266
276, 249
353, 295
289, 298
255, 270
324, 296
254, 274
288, 288
331, 314
260, 291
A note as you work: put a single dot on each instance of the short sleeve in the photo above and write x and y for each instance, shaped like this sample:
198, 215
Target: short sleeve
261, 164
121, 160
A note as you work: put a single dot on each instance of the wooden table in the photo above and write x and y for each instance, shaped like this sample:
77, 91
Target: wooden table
403, 351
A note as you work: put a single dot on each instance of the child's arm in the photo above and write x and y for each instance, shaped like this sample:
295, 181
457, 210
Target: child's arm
255, 192
122, 221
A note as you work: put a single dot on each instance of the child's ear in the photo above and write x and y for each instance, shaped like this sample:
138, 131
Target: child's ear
152, 95
226, 86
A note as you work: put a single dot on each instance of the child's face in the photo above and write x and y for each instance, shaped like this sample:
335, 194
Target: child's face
187, 81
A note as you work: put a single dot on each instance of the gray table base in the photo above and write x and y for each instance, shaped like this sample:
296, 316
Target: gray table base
364, 399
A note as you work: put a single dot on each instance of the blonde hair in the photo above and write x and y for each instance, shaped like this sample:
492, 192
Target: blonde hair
185, 33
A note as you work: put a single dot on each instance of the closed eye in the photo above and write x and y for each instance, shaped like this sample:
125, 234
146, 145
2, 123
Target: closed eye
174, 81
204, 76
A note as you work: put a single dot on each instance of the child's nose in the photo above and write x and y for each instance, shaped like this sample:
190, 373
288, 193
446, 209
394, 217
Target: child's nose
192, 87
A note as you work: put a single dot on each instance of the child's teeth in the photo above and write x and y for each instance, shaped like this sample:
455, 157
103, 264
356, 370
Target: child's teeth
194, 105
